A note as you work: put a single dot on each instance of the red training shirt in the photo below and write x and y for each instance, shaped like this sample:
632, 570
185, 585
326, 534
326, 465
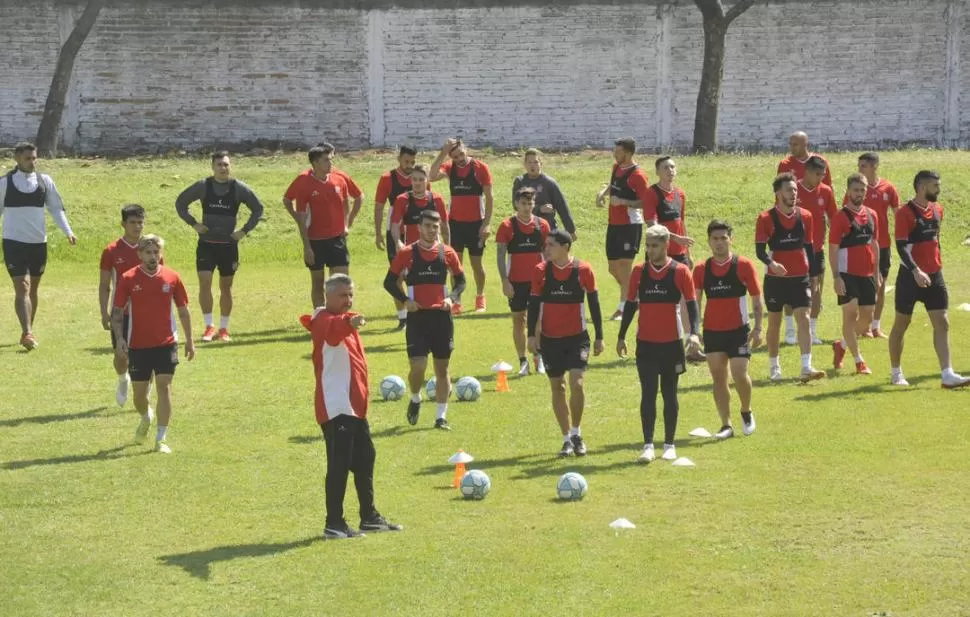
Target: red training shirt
639, 183
797, 167
560, 320
820, 201
926, 255
881, 197
519, 266
855, 260
149, 298
324, 200
725, 314
339, 367
677, 226
426, 296
795, 260
410, 233
468, 208
660, 323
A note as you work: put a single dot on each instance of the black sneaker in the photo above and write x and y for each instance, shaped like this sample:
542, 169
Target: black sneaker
442, 424
567, 448
379, 523
726, 432
413, 410
579, 445
401, 324
341, 532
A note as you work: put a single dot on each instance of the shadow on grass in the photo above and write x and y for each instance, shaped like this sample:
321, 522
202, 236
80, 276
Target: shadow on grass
299, 337
49, 418
882, 387
199, 563
302, 440
103, 455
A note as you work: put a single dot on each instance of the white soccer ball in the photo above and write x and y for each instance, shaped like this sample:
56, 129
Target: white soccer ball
468, 389
431, 388
475, 484
571, 486
392, 388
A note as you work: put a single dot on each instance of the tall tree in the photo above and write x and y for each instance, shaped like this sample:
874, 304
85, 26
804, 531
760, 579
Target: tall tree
50, 123
716, 23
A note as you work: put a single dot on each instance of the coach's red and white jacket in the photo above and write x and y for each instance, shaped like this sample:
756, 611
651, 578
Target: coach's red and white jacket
340, 367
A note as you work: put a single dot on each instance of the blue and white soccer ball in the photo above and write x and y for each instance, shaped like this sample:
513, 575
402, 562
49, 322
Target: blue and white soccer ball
431, 388
571, 486
392, 388
475, 484
468, 389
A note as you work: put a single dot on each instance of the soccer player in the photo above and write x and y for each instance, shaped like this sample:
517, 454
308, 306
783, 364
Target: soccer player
150, 344
628, 190
319, 202
520, 241
881, 196
728, 279
24, 193
340, 404
819, 199
656, 287
425, 265
798, 155
853, 254
117, 258
557, 309
392, 183
405, 216
218, 248
920, 277
783, 241
550, 201
470, 213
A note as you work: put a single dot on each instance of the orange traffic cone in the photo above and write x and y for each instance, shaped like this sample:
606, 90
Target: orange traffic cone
502, 382
459, 473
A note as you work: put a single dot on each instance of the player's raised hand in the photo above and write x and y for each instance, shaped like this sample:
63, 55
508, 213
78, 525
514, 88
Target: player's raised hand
357, 321
450, 144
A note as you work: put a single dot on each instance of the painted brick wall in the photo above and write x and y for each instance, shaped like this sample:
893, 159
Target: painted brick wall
161, 75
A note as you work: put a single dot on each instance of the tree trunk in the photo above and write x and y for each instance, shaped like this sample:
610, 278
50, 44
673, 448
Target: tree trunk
50, 123
709, 94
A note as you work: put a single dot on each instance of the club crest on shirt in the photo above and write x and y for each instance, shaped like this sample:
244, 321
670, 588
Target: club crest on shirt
166, 288
314, 194
885, 196
821, 201
136, 288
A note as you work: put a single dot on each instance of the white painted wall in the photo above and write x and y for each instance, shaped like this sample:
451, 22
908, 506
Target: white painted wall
160, 76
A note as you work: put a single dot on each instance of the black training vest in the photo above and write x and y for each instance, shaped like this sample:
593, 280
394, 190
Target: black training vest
727, 286
396, 187
619, 185
15, 198
422, 272
859, 235
667, 209
926, 230
523, 243
569, 291
469, 185
412, 216
664, 291
787, 239
226, 205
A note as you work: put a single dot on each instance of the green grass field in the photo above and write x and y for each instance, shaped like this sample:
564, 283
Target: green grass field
851, 499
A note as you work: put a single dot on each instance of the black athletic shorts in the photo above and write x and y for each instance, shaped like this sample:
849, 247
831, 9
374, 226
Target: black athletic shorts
430, 331
465, 235
817, 267
329, 253
520, 297
23, 258
222, 256
391, 246
662, 358
885, 259
732, 342
124, 328
934, 298
143, 363
623, 241
861, 288
792, 291
567, 353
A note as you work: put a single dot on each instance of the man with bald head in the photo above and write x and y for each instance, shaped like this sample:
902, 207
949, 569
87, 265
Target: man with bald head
798, 156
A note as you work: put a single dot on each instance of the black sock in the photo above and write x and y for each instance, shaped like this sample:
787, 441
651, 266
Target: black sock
726, 427
746, 417
522, 360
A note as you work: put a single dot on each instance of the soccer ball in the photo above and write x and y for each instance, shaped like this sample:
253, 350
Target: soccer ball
571, 486
431, 388
468, 389
475, 484
392, 388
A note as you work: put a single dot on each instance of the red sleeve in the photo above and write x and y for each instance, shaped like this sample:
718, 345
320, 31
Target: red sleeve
293, 192
683, 206
105, 260
904, 223
439, 204
827, 178
699, 270
352, 187
586, 278
831, 208
633, 289
893, 197
650, 202
179, 294
483, 174
544, 229
838, 229
402, 261
749, 276
333, 330
640, 184
445, 167
452, 261
764, 228
398, 209
539, 278
875, 222
809, 221
685, 282
121, 292
784, 165
939, 209
504, 233
383, 192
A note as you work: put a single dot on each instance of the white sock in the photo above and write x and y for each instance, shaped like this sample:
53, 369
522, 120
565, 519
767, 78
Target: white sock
896, 370
789, 323
813, 325
806, 361
148, 415
442, 410
415, 397
842, 344
402, 314
574, 431
858, 358
774, 362
621, 305
162, 433
224, 322
875, 324
948, 372
123, 378
207, 318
